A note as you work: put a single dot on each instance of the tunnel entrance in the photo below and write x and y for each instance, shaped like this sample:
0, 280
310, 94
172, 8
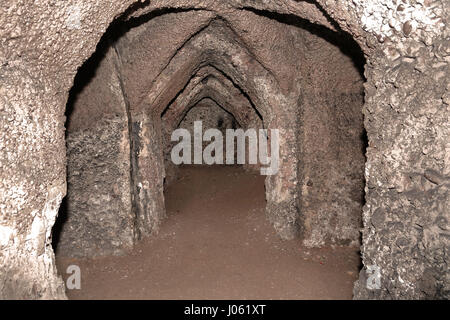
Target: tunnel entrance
126, 199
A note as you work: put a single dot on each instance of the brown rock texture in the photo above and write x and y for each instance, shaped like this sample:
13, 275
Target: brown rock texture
120, 75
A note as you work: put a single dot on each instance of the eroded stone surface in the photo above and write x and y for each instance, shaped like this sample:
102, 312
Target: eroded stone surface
405, 219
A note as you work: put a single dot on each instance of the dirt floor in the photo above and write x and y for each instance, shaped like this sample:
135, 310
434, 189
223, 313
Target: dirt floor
217, 244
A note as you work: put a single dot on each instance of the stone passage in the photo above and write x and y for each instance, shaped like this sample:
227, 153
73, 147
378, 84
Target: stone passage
216, 244
357, 89
223, 71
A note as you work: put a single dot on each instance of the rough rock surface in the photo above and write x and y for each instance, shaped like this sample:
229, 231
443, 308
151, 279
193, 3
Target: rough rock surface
405, 217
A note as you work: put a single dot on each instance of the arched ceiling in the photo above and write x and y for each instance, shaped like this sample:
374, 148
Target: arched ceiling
309, 10
217, 46
211, 83
210, 41
267, 60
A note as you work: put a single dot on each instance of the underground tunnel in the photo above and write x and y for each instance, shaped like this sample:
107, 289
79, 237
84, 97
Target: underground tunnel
356, 205
217, 70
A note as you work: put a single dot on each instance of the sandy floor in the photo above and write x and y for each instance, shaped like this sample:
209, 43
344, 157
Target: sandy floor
217, 244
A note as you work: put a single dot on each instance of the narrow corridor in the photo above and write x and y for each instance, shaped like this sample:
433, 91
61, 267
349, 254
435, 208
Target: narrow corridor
217, 244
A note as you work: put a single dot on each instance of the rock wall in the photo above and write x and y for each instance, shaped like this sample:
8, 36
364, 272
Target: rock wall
97, 217
405, 218
332, 141
406, 112
148, 173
